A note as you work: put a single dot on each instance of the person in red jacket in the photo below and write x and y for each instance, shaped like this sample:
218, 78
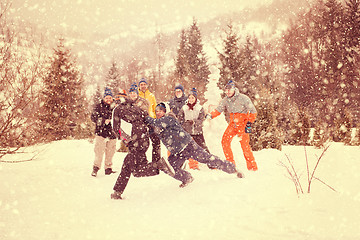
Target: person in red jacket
242, 114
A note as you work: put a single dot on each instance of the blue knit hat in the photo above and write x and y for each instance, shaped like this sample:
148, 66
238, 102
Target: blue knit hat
143, 80
161, 106
230, 84
108, 92
133, 88
179, 87
193, 92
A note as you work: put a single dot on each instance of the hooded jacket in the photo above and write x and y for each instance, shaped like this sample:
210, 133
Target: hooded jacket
152, 101
101, 112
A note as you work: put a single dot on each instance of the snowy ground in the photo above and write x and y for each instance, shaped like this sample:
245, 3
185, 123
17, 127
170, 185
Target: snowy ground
54, 197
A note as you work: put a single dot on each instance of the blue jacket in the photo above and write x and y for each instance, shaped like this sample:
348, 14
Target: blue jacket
172, 135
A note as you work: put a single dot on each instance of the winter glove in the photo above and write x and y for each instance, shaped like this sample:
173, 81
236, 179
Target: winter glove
248, 127
99, 121
127, 142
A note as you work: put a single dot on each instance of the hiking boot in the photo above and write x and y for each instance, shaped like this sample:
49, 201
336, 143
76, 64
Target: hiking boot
240, 174
164, 166
116, 195
187, 182
94, 172
109, 171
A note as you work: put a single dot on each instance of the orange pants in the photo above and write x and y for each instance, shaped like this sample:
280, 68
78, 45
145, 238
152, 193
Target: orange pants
230, 132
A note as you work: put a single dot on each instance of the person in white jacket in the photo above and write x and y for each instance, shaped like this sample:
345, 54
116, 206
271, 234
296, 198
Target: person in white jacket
191, 118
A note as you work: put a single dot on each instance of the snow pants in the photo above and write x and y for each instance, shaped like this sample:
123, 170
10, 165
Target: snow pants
200, 140
194, 151
226, 140
104, 146
155, 140
135, 163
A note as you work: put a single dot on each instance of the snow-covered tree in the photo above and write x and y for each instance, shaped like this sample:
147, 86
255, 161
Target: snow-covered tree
21, 70
230, 58
64, 111
113, 77
192, 69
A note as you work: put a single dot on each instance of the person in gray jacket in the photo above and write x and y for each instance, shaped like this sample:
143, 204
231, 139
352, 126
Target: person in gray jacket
242, 114
191, 118
182, 146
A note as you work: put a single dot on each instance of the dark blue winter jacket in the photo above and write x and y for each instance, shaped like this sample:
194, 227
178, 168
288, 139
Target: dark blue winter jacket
176, 104
172, 135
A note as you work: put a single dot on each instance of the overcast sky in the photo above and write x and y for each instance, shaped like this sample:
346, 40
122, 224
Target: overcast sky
122, 15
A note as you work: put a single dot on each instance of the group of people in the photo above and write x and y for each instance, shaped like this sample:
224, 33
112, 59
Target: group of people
178, 124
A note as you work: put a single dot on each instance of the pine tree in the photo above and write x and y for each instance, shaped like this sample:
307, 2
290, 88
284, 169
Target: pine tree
343, 128
352, 38
181, 64
113, 77
199, 69
192, 69
64, 111
249, 66
301, 128
265, 133
230, 59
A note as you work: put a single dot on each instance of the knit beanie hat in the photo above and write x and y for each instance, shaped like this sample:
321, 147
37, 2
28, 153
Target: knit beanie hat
161, 106
230, 84
133, 88
108, 92
179, 87
193, 92
143, 80
121, 93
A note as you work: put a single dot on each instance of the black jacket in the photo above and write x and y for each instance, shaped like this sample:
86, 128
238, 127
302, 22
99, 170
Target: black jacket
101, 112
131, 113
176, 104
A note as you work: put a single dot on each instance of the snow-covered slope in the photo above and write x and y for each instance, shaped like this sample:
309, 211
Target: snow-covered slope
54, 197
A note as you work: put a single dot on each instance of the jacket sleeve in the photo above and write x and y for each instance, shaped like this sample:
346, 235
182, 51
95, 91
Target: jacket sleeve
219, 109
156, 123
119, 132
200, 119
215, 113
152, 106
96, 116
181, 116
252, 117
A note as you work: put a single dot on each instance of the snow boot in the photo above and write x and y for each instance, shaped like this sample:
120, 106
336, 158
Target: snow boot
94, 172
164, 166
116, 195
109, 171
187, 182
240, 174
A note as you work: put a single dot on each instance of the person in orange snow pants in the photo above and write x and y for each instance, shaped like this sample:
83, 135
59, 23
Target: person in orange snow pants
242, 115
